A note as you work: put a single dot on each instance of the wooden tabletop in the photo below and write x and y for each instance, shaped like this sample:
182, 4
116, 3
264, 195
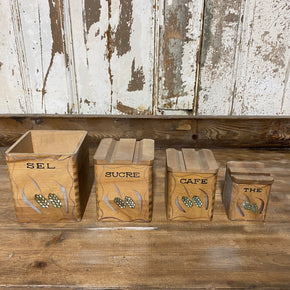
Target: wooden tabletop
159, 254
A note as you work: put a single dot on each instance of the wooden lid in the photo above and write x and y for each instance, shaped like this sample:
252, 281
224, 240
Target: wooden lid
189, 160
247, 167
125, 151
253, 179
249, 172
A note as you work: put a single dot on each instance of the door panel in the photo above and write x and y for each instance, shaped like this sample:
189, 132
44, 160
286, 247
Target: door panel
179, 55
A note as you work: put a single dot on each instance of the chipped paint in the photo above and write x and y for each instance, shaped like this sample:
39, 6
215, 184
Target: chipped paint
217, 64
175, 36
244, 58
180, 50
55, 12
264, 55
91, 15
141, 57
137, 80
25, 100
123, 31
110, 50
135, 94
132, 111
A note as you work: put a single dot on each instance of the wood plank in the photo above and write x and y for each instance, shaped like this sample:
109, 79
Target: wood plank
115, 52
45, 61
218, 56
191, 160
104, 152
12, 88
241, 132
132, 60
90, 20
180, 44
144, 152
207, 157
175, 160
124, 152
197, 132
245, 58
263, 59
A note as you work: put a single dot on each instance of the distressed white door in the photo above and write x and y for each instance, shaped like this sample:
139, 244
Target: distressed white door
114, 55
245, 63
77, 56
196, 57
180, 39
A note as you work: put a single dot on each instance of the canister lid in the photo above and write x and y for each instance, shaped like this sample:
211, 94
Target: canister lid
253, 179
190, 160
250, 172
125, 151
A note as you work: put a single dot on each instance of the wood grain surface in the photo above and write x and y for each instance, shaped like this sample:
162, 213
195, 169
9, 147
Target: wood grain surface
176, 131
157, 255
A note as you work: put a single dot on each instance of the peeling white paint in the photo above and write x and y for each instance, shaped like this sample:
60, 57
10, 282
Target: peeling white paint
217, 72
263, 59
91, 64
245, 62
56, 84
142, 50
190, 55
10, 81
250, 76
182, 50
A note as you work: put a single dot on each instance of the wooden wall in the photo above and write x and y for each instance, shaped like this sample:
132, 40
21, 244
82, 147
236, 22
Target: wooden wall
153, 57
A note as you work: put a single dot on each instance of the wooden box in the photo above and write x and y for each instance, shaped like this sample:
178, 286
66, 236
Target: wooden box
191, 183
124, 180
49, 175
246, 190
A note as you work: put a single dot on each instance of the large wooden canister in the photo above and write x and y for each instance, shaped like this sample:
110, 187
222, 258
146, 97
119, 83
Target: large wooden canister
123, 172
49, 175
191, 183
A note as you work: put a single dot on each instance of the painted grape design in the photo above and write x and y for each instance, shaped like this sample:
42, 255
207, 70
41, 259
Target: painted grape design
127, 202
253, 207
41, 200
187, 201
45, 202
197, 201
119, 202
54, 200
246, 205
130, 202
